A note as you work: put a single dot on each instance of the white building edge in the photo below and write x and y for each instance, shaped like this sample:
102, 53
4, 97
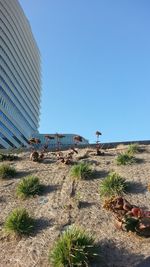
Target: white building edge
20, 77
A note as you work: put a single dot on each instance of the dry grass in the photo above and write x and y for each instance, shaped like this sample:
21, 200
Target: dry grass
55, 210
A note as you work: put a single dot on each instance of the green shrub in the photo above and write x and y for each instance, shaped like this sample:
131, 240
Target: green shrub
1, 157
73, 248
81, 171
29, 186
113, 185
130, 224
19, 222
9, 157
125, 158
6, 171
132, 149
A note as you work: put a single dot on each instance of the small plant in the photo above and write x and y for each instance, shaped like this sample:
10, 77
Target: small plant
97, 135
34, 156
81, 171
58, 140
130, 223
98, 146
77, 139
118, 205
2, 157
125, 158
6, 171
47, 143
74, 248
19, 222
113, 185
29, 186
9, 157
143, 228
132, 149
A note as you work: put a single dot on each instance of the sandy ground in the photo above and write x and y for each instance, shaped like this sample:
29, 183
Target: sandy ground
55, 210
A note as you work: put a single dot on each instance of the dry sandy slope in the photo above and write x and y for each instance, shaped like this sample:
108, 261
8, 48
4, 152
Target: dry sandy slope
52, 211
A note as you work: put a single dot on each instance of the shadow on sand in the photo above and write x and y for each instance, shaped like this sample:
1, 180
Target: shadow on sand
23, 174
42, 223
98, 175
46, 189
85, 204
144, 263
114, 256
136, 187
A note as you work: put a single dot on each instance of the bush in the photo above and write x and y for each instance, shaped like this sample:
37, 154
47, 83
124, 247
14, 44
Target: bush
34, 156
1, 157
81, 171
29, 186
9, 157
124, 159
113, 185
132, 149
19, 222
131, 224
6, 171
74, 248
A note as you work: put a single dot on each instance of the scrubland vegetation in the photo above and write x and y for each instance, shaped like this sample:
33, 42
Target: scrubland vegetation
63, 207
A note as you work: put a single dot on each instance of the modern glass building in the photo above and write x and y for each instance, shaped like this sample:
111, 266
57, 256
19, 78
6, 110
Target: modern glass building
20, 78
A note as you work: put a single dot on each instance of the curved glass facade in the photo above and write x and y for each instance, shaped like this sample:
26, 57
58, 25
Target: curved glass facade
20, 77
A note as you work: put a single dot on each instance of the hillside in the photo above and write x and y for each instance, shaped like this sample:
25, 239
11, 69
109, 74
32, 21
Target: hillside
55, 209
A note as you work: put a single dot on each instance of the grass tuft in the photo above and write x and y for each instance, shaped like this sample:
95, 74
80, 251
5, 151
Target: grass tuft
132, 149
19, 222
81, 171
125, 159
6, 171
113, 185
29, 186
74, 248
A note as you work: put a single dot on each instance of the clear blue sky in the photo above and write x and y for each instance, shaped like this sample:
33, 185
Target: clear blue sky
95, 66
